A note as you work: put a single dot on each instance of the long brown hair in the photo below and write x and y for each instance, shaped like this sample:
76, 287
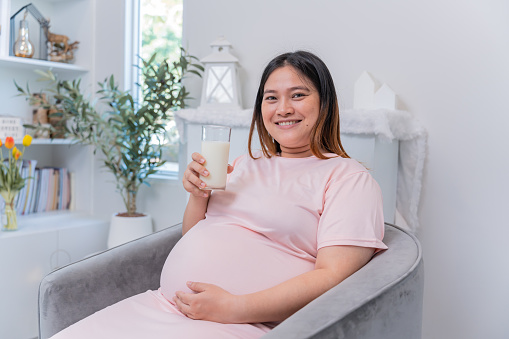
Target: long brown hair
325, 134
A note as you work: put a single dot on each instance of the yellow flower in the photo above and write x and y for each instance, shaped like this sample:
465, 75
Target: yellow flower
0, 142
9, 142
27, 140
16, 153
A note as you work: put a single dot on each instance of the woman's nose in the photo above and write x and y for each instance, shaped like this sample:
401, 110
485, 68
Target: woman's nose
284, 107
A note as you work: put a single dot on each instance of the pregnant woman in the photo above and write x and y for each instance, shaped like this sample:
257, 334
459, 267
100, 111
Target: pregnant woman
296, 218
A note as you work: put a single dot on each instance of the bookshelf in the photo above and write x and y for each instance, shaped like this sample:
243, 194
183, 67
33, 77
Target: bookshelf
48, 240
73, 19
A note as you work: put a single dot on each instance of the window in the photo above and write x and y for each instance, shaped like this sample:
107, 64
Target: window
160, 31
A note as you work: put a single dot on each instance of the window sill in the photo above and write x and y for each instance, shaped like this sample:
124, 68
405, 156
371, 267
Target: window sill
166, 176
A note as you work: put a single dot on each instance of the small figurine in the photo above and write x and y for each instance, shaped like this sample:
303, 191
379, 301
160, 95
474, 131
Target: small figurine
60, 48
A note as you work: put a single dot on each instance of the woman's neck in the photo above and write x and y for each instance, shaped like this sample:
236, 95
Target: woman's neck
297, 152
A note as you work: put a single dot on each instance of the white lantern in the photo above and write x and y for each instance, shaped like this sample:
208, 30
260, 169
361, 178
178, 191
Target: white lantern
220, 83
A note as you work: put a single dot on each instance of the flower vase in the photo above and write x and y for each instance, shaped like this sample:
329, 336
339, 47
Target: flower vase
9, 218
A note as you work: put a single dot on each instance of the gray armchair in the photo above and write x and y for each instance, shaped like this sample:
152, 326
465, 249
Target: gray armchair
381, 300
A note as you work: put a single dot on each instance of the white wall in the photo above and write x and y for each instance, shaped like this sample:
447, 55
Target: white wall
448, 61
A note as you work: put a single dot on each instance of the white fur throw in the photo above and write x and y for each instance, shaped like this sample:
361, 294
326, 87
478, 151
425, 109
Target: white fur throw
386, 124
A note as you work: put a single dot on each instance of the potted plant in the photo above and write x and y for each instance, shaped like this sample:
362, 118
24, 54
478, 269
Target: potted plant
130, 135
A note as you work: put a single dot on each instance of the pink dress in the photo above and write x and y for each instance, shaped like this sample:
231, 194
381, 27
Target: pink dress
264, 229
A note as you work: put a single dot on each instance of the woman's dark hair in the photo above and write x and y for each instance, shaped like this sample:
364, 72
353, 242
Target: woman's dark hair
325, 134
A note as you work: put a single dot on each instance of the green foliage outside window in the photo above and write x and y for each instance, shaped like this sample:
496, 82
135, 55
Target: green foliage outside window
161, 33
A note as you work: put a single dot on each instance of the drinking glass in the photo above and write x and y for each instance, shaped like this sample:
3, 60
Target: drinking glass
215, 148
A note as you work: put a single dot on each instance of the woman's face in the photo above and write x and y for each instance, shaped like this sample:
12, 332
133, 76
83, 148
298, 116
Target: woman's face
290, 109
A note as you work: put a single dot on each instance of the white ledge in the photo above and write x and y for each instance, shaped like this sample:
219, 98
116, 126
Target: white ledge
386, 124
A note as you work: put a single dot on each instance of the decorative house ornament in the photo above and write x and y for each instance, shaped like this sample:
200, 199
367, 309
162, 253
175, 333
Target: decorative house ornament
385, 98
220, 82
369, 95
19, 46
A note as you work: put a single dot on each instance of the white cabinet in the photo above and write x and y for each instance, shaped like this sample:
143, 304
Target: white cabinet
28, 254
381, 158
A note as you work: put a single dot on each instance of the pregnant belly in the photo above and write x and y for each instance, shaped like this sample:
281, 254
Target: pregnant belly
232, 257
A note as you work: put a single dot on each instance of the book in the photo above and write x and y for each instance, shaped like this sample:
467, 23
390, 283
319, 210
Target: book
22, 197
64, 189
30, 186
51, 189
56, 189
72, 189
43, 194
36, 188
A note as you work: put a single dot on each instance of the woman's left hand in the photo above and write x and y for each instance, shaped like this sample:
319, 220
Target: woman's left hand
210, 302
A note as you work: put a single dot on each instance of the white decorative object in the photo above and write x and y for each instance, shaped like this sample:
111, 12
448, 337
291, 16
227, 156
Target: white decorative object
385, 98
364, 92
125, 229
221, 88
11, 127
369, 95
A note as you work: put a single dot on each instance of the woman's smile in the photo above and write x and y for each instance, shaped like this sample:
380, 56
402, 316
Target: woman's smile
288, 124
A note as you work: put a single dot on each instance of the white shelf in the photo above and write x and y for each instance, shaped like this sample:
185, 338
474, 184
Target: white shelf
44, 141
49, 221
33, 64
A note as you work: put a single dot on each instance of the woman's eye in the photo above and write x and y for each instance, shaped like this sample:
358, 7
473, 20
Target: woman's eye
270, 98
298, 95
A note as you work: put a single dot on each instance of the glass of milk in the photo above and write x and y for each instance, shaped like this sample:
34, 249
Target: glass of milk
215, 147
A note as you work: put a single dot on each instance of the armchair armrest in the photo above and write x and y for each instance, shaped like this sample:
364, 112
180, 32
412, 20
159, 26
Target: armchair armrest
382, 300
78, 290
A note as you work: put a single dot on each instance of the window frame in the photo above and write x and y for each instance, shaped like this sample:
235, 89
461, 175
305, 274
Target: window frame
133, 43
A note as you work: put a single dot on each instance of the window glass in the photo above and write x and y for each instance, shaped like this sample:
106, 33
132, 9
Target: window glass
161, 32
161, 28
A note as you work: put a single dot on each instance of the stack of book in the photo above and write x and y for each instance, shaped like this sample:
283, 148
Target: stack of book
47, 189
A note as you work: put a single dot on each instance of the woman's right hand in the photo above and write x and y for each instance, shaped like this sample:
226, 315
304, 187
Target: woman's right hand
191, 180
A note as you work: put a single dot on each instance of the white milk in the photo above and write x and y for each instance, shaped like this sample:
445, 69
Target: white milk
216, 162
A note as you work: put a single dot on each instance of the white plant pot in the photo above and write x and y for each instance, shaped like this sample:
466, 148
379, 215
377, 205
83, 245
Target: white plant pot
125, 229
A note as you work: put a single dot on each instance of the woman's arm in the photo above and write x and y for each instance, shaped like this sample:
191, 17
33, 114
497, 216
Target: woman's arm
333, 265
198, 199
195, 211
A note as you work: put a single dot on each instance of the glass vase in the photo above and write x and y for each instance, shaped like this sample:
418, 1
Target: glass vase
9, 218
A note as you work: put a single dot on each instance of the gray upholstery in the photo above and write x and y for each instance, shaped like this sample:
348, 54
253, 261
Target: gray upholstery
381, 300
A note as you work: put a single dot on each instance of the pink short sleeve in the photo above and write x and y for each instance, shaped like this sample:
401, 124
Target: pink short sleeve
353, 213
